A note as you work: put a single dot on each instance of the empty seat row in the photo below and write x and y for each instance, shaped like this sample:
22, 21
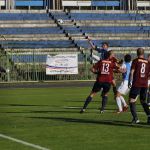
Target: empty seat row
99, 16
24, 16
116, 43
37, 44
42, 30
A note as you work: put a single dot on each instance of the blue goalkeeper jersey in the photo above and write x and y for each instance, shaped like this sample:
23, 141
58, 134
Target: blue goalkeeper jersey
101, 52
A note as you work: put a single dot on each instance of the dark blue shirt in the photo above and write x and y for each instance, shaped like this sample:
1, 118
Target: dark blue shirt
101, 52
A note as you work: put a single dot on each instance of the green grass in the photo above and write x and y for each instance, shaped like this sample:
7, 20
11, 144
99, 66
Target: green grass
50, 118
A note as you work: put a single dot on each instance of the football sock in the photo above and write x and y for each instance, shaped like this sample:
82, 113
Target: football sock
104, 102
115, 90
118, 100
88, 100
146, 108
123, 101
133, 110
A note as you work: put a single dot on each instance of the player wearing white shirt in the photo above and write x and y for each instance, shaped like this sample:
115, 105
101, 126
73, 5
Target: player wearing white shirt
123, 88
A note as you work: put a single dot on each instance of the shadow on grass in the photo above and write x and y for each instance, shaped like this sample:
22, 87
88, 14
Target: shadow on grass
73, 111
23, 105
100, 122
41, 111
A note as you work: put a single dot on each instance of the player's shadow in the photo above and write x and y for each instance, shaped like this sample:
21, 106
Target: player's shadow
23, 105
100, 122
38, 112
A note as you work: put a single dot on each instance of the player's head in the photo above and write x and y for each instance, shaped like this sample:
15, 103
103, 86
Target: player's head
105, 45
140, 52
108, 54
127, 58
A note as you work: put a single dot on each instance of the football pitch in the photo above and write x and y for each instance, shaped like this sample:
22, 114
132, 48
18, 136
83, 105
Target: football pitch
49, 118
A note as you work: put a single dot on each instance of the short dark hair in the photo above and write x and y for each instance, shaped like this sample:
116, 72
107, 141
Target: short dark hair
127, 58
105, 43
140, 51
107, 54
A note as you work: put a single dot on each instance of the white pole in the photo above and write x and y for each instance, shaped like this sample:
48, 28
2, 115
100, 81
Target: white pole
54, 5
128, 4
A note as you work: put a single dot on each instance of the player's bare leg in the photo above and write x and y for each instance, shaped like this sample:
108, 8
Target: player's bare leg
87, 101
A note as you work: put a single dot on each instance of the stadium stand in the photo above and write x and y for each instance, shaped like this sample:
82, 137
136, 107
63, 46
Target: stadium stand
121, 29
28, 36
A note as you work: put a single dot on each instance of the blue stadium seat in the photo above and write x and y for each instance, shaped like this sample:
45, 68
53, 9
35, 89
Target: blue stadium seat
98, 16
29, 3
50, 30
116, 29
24, 16
116, 43
38, 44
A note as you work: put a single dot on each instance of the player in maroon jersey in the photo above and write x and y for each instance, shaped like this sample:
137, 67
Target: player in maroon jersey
148, 94
104, 69
138, 81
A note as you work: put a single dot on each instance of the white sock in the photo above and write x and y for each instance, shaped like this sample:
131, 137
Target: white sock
118, 100
123, 101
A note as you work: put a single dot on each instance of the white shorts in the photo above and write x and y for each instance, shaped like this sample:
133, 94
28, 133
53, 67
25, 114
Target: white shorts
123, 88
148, 83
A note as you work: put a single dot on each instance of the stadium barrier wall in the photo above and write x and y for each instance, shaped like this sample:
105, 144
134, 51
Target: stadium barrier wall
31, 66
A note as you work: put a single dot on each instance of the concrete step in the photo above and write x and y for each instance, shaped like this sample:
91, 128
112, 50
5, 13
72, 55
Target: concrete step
34, 38
129, 49
112, 21
78, 38
42, 50
38, 25
76, 34
26, 21
121, 38
98, 35
24, 11
31, 35
112, 24
111, 11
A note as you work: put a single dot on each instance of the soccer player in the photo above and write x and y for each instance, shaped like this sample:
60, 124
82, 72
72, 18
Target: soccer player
123, 88
101, 51
104, 69
138, 81
104, 48
148, 94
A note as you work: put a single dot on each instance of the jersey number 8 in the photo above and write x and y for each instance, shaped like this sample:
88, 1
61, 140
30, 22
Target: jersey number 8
143, 68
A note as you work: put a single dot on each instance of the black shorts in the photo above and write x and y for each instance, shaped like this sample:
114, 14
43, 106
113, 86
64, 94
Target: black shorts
135, 91
99, 85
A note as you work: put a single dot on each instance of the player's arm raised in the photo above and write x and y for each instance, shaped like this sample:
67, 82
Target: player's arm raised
91, 43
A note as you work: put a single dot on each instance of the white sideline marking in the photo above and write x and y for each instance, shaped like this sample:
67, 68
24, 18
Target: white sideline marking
23, 142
